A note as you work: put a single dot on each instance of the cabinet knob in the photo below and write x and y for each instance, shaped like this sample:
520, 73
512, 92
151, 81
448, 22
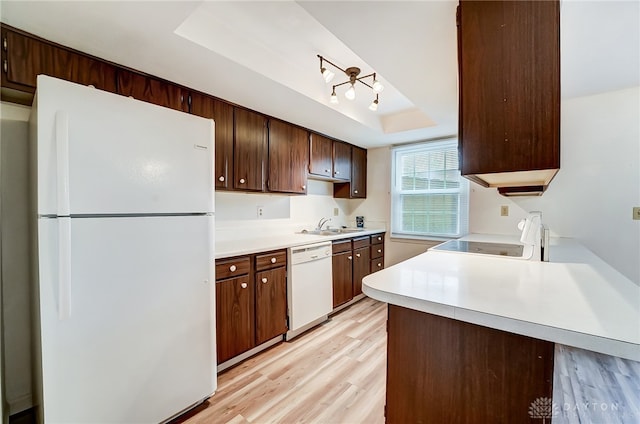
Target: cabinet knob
357, 255
242, 181
350, 257
304, 187
232, 268
5, 66
379, 250
264, 280
379, 265
273, 260
243, 285
379, 238
327, 170
337, 172
355, 191
221, 178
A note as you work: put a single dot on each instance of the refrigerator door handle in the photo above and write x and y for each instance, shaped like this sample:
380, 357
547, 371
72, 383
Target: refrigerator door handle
62, 162
64, 268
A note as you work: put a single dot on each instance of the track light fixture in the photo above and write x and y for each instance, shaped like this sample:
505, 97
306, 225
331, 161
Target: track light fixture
352, 73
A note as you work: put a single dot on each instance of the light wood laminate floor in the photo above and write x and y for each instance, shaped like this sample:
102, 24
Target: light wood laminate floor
334, 374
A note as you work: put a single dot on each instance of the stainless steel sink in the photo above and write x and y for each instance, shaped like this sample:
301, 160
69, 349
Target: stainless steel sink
332, 231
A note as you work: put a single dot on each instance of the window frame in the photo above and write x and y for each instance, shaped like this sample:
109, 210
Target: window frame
396, 194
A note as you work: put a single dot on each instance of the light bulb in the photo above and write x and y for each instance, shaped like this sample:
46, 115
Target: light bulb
327, 75
374, 105
350, 93
377, 86
334, 98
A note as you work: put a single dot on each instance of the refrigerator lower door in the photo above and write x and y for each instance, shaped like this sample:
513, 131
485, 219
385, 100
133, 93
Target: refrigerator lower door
136, 340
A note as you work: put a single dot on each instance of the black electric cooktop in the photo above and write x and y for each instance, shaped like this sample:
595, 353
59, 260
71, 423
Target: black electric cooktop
499, 249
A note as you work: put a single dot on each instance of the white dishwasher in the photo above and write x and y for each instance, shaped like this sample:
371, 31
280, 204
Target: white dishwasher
309, 287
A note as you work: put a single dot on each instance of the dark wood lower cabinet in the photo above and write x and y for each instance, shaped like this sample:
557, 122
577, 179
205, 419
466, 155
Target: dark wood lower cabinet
234, 317
271, 304
251, 302
361, 268
441, 370
342, 277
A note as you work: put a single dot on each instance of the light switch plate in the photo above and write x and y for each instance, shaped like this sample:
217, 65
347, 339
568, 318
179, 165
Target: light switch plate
636, 213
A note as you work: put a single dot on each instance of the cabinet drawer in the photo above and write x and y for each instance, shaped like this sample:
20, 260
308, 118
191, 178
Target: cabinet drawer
271, 260
377, 251
377, 264
341, 246
377, 238
360, 242
226, 268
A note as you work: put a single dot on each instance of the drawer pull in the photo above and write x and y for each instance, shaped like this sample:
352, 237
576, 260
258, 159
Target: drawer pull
242, 180
350, 257
232, 268
264, 280
357, 255
243, 285
379, 238
355, 191
379, 265
273, 260
221, 178
379, 250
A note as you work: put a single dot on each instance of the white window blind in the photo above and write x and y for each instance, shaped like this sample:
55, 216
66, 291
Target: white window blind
429, 196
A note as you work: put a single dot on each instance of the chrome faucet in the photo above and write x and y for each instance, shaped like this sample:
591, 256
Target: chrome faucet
322, 222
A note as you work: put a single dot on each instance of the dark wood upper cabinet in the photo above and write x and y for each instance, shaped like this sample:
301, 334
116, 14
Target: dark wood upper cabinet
356, 187
509, 68
250, 150
152, 90
288, 157
321, 156
341, 161
24, 58
358, 172
222, 113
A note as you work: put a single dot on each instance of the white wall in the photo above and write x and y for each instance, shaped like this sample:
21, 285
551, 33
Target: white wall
592, 196
15, 275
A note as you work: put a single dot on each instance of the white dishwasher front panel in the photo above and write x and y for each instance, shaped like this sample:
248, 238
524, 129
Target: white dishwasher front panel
310, 287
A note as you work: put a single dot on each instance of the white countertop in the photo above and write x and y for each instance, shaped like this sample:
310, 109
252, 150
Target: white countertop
247, 245
575, 299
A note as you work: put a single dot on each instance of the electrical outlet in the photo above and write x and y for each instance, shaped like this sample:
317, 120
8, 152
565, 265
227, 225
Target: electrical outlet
504, 210
636, 213
336, 211
260, 212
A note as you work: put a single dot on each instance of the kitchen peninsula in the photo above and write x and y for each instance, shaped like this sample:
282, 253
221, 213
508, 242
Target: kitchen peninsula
471, 337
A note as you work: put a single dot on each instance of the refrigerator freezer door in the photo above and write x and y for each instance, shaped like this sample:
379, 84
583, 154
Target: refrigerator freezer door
124, 156
138, 341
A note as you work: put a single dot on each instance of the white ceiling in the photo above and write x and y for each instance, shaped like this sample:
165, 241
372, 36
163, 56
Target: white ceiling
263, 54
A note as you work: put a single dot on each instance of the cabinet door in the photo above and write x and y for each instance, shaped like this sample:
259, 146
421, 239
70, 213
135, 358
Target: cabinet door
222, 113
234, 317
320, 151
271, 304
288, 158
250, 150
152, 90
24, 58
341, 161
509, 86
342, 264
358, 173
361, 268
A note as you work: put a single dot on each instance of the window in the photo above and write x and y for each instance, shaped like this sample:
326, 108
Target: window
429, 197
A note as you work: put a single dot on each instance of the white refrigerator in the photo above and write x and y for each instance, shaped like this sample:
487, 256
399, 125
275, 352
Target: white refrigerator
125, 256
